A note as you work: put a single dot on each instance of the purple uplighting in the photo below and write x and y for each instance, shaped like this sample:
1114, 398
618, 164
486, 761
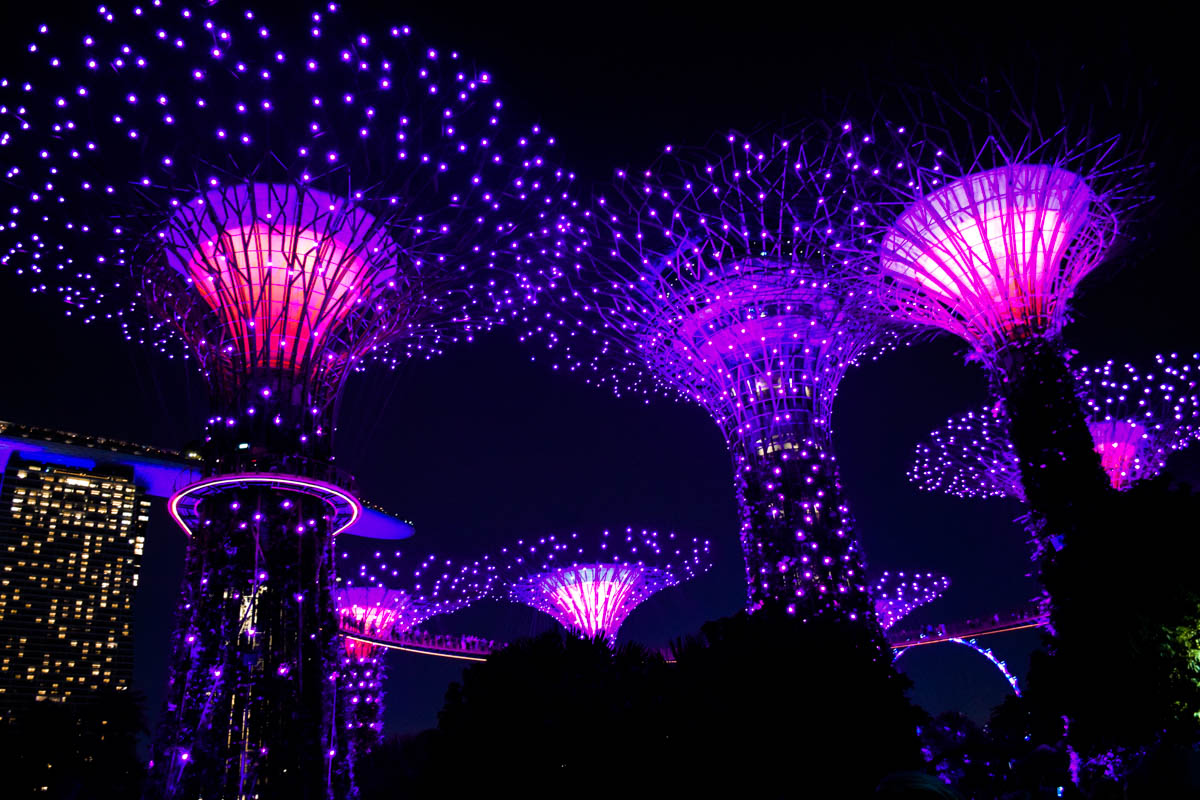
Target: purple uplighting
278, 217
719, 278
590, 587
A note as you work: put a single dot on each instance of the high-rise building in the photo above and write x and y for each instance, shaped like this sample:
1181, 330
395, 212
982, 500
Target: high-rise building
71, 542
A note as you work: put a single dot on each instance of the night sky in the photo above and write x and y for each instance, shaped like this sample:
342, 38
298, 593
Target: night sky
486, 445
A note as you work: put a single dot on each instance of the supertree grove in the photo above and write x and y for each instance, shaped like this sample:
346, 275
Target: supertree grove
898, 595
1137, 418
982, 224
722, 279
288, 207
590, 584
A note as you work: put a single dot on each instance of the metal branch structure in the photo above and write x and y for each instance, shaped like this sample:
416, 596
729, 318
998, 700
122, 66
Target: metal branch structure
279, 201
896, 595
591, 584
982, 223
1137, 417
721, 278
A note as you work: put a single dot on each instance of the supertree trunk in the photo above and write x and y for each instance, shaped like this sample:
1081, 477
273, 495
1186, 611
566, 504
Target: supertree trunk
251, 705
361, 699
796, 532
1065, 486
1060, 469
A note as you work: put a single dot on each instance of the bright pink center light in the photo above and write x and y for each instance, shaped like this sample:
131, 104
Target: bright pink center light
374, 613
283, 268
991, 246
1120, 445
593, 599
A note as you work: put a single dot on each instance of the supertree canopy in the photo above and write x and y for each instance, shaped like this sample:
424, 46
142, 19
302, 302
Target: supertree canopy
289, 199
590, 584
896, 595
374, 603
1136, 418
982, 223
721, 278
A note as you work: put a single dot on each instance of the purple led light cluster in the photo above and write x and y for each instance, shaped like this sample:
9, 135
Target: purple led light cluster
590, 584
896, 595
371, 610
1137, 418
723, 277
378, 598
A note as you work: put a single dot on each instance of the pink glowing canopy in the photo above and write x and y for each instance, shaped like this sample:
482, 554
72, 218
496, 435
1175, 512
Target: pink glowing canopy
592, 583
995, 253
373, 612
288, 271
592, 599
1120, 444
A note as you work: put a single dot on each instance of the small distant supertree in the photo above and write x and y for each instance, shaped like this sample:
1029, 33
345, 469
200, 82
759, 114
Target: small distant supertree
1137, 418
590, 584
281, 201
898, 594
719, 276
371, 609
982, 222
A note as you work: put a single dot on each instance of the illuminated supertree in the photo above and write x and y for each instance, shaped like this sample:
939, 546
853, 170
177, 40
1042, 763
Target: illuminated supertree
721, 279
896, 595
982, 224
288, 208
591, 584
1136, 419
370, 610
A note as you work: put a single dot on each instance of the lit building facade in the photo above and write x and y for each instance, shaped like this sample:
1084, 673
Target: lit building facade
71, 543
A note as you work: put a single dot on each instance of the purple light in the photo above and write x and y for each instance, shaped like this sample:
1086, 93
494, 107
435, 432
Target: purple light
721, 279
1137, 418
590, 587
896, 595
985, 230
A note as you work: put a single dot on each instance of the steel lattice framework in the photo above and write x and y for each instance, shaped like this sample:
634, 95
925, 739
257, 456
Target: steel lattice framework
724, 279
1137, 418
897, 595
591, 584
288, 199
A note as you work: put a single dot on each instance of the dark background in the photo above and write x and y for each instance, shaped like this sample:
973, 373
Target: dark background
486, 445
